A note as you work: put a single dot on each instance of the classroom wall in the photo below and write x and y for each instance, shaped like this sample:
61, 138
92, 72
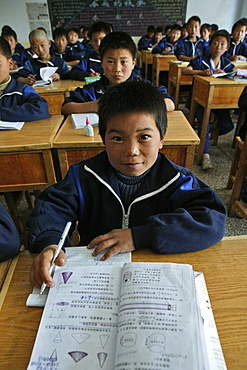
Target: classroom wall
222, 12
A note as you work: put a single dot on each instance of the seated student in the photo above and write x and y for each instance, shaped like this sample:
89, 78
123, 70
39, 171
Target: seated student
167, 44
118, 54
184, 32
214, 62
18, 102
81, 29
17, 50
31, 71
73, 40
90, 65
238, 48
191, 46
86, 41
72, 56
130, 196
145, 41
158, 34
242, 103
214, 28
205, 31
9, 237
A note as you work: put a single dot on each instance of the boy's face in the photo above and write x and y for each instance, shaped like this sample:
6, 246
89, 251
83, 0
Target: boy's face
218, 46
41, 47
132, 142
118, 65
96, 39
72, 37
193, 28
5, 66
238, 34
158, 36
61, 43
12, 42
205, 34
174, 35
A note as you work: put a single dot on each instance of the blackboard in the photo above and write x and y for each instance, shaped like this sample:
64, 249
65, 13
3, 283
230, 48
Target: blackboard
131, 16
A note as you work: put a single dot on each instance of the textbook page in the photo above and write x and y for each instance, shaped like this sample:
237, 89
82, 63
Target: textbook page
79, 323
79, 256
45, 74
5, 125
158, 320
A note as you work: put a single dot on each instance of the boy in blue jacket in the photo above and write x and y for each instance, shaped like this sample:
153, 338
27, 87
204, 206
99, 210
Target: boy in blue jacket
212, 63
118, 54
238, 46
31, 70
130, 196
9, 237
18, 102
18, 52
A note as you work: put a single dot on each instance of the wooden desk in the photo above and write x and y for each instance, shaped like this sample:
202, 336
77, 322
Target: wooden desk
160, 63
56, 92
73, 146
176, 79
147, 59
25, 155
224, 268
213, 93
241, 65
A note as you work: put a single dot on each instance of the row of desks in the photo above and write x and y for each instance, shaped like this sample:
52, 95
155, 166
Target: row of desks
27, 156
224, 268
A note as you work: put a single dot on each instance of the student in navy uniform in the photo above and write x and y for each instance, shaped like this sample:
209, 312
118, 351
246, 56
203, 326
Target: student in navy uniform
238, 48
18, 102
167, 44
191, 46
145, 41
17, 50
205, 31
9, 237
118, 55
130, 196
86, 41
90, 65
214, 62
72, 56
73, 41
31, 70
242, 103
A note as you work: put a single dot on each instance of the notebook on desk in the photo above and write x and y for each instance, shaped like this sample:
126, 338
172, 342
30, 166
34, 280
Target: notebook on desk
79, 119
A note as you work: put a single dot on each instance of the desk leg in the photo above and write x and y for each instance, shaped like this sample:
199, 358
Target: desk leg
177, 91
203, 134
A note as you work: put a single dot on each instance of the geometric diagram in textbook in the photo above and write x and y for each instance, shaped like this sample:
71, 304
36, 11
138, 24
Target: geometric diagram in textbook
102, 357
103, 339
128, 340
58, 309
156, 342
77, 355
53, 356
58, 338
80, 337
63, 278
127, 276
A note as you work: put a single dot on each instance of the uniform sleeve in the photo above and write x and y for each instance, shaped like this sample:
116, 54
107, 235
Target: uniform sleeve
159, 48
180, 49
195, 221
54, 207
30, 107
25, 71
81, 95
78, 72
9, 236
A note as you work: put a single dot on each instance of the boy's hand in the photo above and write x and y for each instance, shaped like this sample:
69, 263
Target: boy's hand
30, 79
219, 71
118, 240
39, 272
207, 72
55, 77
93, 74
166, 50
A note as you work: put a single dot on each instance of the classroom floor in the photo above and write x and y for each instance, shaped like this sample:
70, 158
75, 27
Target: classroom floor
216, 178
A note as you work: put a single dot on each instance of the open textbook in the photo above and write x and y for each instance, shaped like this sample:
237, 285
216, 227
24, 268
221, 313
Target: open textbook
139, 316
45, 74
79, 119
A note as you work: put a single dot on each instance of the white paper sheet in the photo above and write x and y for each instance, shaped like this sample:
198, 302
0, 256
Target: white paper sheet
79, 119
45, 74
5, 125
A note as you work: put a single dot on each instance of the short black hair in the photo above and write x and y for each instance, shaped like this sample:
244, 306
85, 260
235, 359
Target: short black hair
132, 96
240, 22
223, 33
194, 18
8, 31
117, 40
99, 27
159, 29
176, 27
74, 29
214, 27
207, 26
151, 28
59, 32
5, 48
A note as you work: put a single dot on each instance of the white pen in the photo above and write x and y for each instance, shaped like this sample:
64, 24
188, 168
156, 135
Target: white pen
59, 247
92, 70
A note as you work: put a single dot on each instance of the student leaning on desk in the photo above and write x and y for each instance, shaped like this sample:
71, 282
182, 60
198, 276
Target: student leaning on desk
118, 56
18, 102
130, 196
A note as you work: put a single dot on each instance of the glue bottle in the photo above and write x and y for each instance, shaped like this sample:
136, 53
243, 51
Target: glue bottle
88, 129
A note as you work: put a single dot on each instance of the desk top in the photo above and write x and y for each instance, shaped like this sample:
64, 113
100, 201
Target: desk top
222, 81
224, 268
33, 135
179, 132
59, 86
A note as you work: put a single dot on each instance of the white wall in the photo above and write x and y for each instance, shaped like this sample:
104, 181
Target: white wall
222, 12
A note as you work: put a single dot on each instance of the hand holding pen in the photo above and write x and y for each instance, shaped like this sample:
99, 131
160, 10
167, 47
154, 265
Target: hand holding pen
57, 251
31, 79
